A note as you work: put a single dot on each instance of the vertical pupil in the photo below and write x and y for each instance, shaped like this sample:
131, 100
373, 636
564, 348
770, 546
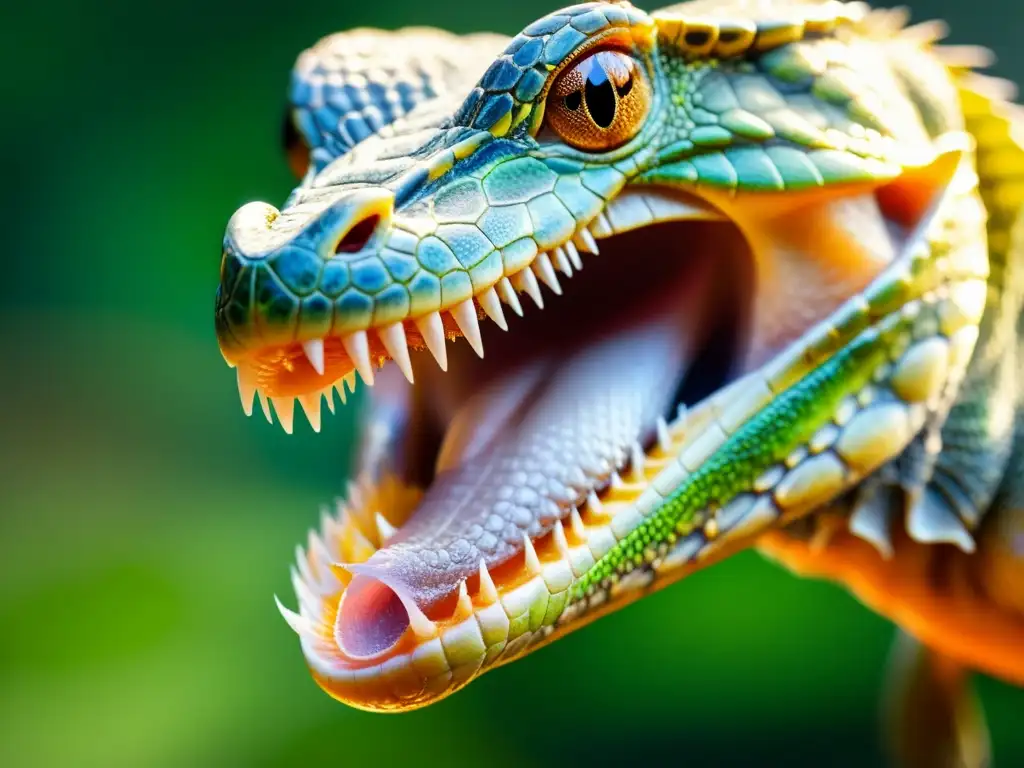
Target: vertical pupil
600, 95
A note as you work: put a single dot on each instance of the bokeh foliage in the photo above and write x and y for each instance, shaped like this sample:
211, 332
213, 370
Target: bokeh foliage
146, 523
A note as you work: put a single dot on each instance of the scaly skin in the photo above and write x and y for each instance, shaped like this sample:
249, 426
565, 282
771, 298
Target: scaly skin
432, 192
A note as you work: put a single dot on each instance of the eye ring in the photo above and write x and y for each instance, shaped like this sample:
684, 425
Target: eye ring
600, 102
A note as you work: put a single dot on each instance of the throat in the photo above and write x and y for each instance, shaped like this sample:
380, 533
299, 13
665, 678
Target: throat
809, 260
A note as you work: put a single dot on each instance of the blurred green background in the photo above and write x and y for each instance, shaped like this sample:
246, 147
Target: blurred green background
146, 522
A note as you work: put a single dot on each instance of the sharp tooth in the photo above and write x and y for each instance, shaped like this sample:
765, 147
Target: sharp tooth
246, 391
355, 495
594, 504
488, 591
465, 317
328, 393
285, 409
562, 261
601, 227
357, 345
432, 330
319, 555
314, 349
385, 530
680, 420
664, 437
574, 255
542, 266
526, 282
615, 481
421, 626
349, 380
532, 561
330, 528
508, 295
560, 541
339, 387
303, 563
302, 627
586, 242
265, 405
578, 528
309, 603
393, 339
464, 605
492, 306
637, 461
311, 405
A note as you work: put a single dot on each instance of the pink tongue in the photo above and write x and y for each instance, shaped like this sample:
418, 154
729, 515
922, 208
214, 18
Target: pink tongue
524, 451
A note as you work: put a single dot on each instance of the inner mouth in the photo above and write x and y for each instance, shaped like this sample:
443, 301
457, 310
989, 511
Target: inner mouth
562, 406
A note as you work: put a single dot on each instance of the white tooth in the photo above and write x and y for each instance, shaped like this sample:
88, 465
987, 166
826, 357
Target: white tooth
532, 561
560, 541
615, 481
265, 405
594, 503
320, 557
385, 530
421, 626
664, 437
355, 495
637, 461
542, 266
339, 387
314, 349
488, 591
246, 391
309, 603
302, 627
586, 242
464, 605
601, 227
311, 406
492, 306
328, 393
393, 339
304, 570
578, 528
284, 407
574, 255
562, 261
330, 528
526, 282
357, 345
680, 420
466, 319
349, 380
432, 330
508, 295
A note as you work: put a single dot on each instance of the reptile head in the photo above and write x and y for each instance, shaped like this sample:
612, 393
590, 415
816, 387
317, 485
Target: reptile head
770, 307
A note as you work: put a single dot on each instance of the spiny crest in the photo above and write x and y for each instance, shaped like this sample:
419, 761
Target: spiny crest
738, 27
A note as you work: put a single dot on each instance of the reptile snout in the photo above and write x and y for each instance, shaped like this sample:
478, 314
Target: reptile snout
285, 275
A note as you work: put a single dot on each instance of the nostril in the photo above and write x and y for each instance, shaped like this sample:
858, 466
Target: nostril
371, 619
357, 237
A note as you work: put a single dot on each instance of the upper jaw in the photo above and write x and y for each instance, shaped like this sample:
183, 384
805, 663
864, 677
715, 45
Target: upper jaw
315, 361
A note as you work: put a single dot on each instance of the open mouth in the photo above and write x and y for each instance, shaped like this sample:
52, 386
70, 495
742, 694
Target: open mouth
490, 490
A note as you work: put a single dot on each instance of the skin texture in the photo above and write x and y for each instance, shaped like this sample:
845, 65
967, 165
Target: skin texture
867, 430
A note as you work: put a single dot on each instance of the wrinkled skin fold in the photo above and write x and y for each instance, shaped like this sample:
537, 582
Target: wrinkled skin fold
790, 322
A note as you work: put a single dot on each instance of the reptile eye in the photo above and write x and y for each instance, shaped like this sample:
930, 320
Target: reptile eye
600, 102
